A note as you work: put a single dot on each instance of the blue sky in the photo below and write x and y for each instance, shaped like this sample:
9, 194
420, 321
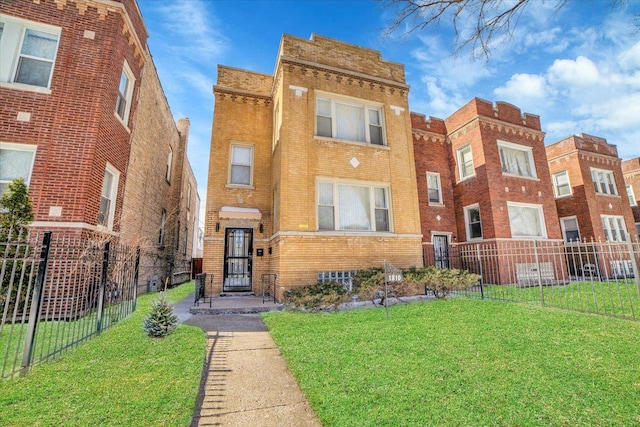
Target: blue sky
578, 69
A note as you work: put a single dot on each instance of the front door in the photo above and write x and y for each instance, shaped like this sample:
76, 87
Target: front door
441, 250
238, 254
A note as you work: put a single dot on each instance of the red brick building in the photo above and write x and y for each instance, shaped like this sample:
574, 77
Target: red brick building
82, 111
631, 173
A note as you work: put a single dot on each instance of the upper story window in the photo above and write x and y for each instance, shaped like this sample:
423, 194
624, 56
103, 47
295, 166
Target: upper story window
29, 51
516, 159
465, 162
614, 228
434, 188
188, 197
526, 220
241, 168
353, 207
125, 93
603, 181
561, 185
349, 119
108, 196
167, 174
276, 126
631, 196
570, 230
472, 221
16, 161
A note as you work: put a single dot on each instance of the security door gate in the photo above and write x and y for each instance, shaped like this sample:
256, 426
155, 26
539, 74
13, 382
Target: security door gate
238, 254
441, 250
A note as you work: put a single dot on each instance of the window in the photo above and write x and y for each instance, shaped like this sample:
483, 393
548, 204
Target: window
631, 196
353, 207
30, 49
276, 126
167, 174
638, 228
108, 196
526, 221
434, 188
178, 236
570, 229
186, 240
561, 184
16, 161
188, 197
349, 119
614, 228
465, 162
516, 159
603, 182
163, 219
125, 93
241, 172
472, 220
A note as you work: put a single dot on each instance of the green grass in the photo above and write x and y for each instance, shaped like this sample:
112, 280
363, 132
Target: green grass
462, 362
120, 378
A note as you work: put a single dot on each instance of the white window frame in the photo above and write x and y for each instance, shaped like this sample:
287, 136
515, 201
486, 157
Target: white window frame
543, 225
439, 182
467, 224
618, 221
564, 228
597, 174
8, 146
251, 165
113, 197
14, 31
372, 186
631, 195
128, 95
522, 148
367, 105
459, 152
554, 178
167, 175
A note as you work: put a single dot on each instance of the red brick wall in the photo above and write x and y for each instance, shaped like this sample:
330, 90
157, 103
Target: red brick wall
631, 172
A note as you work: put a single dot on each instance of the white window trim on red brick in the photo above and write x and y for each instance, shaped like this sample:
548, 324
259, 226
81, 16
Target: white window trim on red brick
563, 226
438, 202
467, 223
611, 223
11, 45
459, 153
250, 165
603, 173
556, 186
540, 211
127, 96
167, 175
372, 187
366, 105
528, 151
112, 196
8, 146
631, 195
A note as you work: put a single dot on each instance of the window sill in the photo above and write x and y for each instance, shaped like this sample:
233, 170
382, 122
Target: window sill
355, 233
530, 178
26, 88
122, 122
467, 178
608, 195
242, 186
345, 141
529, 237
436, 205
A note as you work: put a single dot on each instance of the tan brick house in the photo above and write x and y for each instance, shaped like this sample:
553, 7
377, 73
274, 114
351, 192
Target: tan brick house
631, 173
312, 168
85, 122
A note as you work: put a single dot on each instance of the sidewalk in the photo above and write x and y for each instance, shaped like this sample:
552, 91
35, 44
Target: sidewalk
245, 379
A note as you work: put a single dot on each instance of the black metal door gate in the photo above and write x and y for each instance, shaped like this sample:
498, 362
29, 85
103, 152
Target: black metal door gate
238, 254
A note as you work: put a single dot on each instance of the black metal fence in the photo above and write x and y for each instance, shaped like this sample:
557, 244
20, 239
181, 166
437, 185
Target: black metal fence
58, 291
590, 276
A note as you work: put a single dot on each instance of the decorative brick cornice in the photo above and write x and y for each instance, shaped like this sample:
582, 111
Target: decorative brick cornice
237, 95
421, 135
509, 128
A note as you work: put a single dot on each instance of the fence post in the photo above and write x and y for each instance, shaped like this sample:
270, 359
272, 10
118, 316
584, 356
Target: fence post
535, 251
103, 286
634, 262
135, 279
36, 303
480, 270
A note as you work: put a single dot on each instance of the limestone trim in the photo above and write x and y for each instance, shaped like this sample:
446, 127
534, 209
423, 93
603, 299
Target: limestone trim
83, 225
330, 234
340, 72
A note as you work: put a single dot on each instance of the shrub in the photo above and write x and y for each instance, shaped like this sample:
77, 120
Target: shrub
161, 321
442, 281
370, 286
325, 296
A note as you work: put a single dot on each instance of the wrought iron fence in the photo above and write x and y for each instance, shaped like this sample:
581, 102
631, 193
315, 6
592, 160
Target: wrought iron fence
58, 291
591, 276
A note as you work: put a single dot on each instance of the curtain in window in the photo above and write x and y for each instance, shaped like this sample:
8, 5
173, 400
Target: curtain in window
571, 230
433, 185
525, 221
350, 122
105, 199
31, 70
375, 127
562, 184
325, 206
355, 209
515, 162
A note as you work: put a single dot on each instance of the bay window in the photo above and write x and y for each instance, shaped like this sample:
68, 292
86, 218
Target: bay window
516, 159
465, 162
631, 196
349, 119
353, 207
108, 196
561, 184
614, 228
603, 182
526, 220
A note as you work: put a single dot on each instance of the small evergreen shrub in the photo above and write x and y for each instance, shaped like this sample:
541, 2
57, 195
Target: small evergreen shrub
161, 321
325, 296
442, 281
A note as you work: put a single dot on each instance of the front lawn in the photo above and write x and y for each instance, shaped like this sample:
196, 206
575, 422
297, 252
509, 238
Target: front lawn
120, 378
462, 362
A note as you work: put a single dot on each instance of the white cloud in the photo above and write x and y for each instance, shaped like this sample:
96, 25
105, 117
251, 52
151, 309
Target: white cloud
523, 87
581, 72
630, 59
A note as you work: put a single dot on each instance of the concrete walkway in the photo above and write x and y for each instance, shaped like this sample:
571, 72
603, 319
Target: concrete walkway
245, 380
